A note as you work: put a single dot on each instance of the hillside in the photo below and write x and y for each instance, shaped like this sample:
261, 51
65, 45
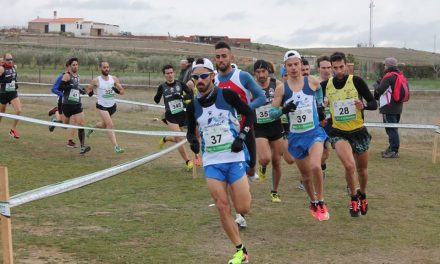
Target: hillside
243, 56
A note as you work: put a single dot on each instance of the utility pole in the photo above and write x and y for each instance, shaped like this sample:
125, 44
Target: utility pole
370, 43
435, 42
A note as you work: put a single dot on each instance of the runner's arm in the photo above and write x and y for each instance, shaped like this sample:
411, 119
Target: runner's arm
365, 93
118, 86
158, 94
188, 91
192, 126
258, 96
242, 108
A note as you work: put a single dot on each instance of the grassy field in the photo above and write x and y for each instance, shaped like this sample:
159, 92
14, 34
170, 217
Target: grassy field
157, 213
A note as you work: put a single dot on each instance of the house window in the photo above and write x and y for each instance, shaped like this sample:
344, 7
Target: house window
81, 26
77, 26
63, 28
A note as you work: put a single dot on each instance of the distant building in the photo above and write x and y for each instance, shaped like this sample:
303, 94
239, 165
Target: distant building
235, 42
76, 26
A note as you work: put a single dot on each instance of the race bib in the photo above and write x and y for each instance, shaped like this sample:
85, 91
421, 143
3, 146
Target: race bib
302, 119
217, 138
108, 93
344, 110
263, 114
176, 106
10, 87
328, 115
73, 96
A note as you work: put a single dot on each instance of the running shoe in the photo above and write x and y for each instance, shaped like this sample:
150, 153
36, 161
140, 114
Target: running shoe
71, 144
322, 212
52, 128
314, 210
300, 186
14, 133
354, 207
275, 197
254, 178
239, 257
119, 150
240, 221
162, 142
363, 202
262, 173
386, 151
84, 149
390, 155
89, 132
189, 165
52, 111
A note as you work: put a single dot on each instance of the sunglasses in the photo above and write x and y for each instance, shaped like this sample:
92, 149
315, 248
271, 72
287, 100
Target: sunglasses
8, 59
201, 76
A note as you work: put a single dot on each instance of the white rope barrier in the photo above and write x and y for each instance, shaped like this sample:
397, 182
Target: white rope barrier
68, 185
123, 84
136, 132
117, 100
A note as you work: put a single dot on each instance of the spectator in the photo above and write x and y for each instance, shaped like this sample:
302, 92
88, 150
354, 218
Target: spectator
389, 109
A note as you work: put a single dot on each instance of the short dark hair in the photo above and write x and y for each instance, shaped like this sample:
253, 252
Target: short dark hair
304, 61
322, 58
190, 60
222, 45
166, 67
100, 64
337, 56
261, 64
71, 60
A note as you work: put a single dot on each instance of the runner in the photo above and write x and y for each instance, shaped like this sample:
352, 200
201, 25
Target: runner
349, 137
172, 92
305, 67
325, 72
268, 131
58, 110
285, 123
223, 149
306, 137
106, 86
8, 91
247, 89
72, 107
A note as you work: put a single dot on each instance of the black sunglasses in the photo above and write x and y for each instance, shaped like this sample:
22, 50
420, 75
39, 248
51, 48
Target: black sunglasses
201, 76
9, 59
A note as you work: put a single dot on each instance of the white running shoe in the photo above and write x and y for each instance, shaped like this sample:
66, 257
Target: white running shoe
254, 178
241, 222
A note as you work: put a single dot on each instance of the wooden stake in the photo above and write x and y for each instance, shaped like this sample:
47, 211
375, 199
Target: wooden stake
435, 146
194, 172
5, 219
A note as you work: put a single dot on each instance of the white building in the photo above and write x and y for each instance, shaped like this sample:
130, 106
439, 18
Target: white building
76, 26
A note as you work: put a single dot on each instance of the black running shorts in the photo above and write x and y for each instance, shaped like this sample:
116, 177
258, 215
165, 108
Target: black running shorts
111, 110
6, 98
179, 118
272, 131
71, 109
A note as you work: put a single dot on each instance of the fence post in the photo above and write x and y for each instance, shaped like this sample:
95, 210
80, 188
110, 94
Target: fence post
435, 146
149, 80
39, 75
5, 218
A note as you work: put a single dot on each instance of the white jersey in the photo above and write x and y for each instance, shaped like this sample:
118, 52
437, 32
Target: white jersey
105, 93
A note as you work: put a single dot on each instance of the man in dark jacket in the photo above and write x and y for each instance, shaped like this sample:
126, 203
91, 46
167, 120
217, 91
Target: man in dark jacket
389, 109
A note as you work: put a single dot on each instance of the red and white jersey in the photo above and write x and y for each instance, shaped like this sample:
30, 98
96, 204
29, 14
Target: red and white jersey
235, 84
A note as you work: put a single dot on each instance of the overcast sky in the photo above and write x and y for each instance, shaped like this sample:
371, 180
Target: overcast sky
288, 23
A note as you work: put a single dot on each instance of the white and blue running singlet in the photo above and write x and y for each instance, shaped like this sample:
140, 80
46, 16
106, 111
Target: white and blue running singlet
218, 127
305, 118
